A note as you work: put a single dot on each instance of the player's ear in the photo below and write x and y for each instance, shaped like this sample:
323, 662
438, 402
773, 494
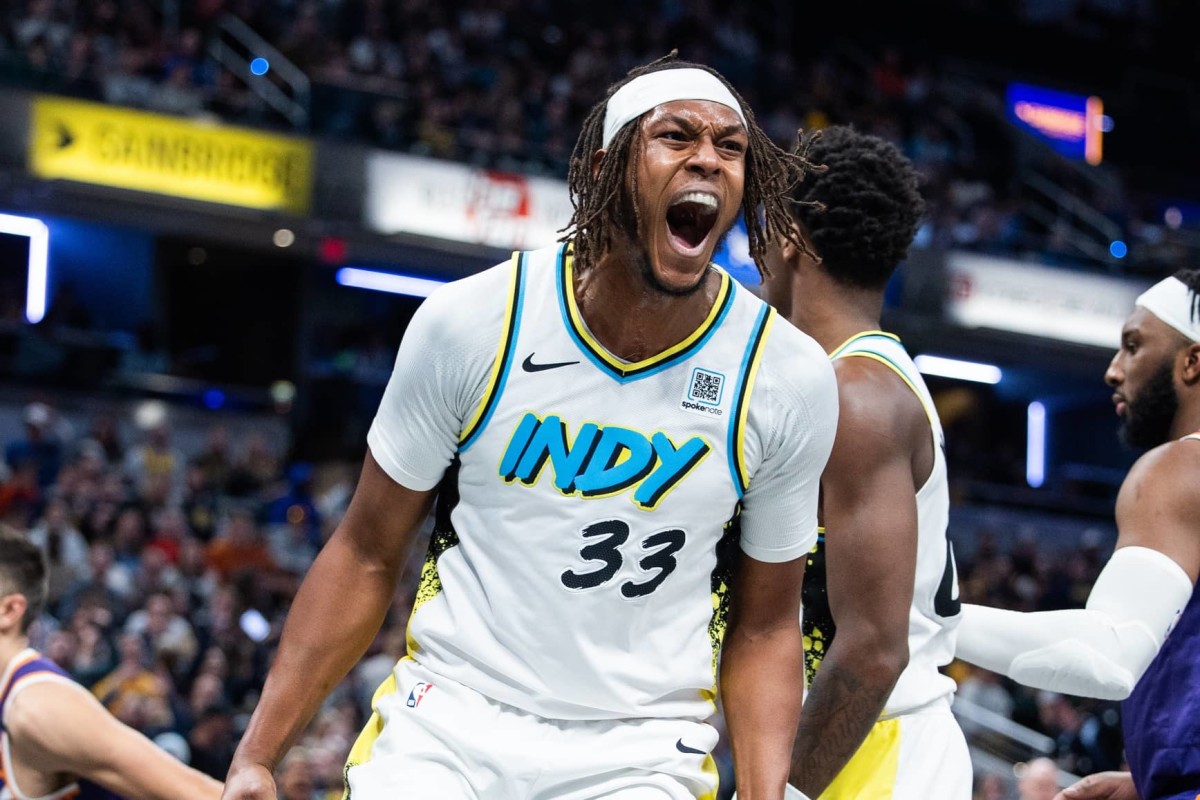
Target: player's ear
12, 609
597, 157
1191, 364
790, 252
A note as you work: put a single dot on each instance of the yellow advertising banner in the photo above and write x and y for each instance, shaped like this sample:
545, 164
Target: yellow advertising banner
146, 152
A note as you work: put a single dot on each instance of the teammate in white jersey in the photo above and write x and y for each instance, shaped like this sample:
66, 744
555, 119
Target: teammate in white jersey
625, 448
880, 593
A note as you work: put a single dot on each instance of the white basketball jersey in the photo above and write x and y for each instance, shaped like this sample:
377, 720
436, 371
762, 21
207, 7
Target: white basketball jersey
584, 530
936, 611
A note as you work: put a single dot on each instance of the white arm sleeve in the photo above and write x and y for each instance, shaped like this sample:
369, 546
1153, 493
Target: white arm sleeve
1098, 651
793, 412
439, 377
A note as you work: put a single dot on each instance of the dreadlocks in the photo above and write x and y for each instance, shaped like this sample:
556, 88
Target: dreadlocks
1191, 279
602, 208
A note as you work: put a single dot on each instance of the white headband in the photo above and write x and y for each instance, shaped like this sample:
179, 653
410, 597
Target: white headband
1171, 301
665, 86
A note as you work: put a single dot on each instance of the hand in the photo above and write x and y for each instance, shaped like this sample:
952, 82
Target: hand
249, 782
1101, 786
792, 793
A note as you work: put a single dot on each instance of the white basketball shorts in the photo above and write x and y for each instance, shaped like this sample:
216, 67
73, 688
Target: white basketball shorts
434, 739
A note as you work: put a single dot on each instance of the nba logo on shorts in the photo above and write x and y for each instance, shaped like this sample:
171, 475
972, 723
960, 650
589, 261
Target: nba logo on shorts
418, 694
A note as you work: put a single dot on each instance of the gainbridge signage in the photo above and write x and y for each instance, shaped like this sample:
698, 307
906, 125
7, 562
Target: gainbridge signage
164, 155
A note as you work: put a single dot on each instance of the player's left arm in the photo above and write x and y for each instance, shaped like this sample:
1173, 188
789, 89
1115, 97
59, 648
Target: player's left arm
794, 411
58, 727
1102, 650
870, 516
762, 670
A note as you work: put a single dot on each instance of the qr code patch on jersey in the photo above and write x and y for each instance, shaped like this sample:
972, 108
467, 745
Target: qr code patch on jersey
706, 387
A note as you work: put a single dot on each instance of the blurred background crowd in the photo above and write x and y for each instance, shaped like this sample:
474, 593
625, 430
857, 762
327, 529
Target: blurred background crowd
177, 530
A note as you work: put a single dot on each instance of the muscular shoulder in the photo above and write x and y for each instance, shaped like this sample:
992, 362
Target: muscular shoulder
466, 310
875, 402
796, 370
1165, 479
38, 707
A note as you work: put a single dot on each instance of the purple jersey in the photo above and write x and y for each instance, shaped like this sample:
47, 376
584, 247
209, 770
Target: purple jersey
29, 666
1161, 718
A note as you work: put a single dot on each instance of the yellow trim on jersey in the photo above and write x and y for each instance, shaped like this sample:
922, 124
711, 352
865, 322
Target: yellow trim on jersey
709, 767
360, 751
861, 335
503, 353
612, 361
887, 362
870, 774
739, 451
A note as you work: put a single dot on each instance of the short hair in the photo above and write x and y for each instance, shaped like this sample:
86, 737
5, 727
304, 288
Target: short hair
862, 212
1191, 279
600, 210
23, 571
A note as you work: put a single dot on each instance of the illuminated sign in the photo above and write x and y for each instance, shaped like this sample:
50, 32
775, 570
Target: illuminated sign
407, 194
39, 245
1073, 124
1003, 294
145, 152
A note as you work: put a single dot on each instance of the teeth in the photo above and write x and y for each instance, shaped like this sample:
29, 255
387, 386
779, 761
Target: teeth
700, 198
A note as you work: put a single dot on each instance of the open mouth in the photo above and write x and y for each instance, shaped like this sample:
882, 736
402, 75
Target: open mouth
690, 219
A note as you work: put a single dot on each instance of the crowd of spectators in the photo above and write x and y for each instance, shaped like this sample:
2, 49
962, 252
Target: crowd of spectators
172, 568
171, 571
506, 84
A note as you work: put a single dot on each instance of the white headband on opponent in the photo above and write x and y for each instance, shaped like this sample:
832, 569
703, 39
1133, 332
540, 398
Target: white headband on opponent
1171, 301
665, 86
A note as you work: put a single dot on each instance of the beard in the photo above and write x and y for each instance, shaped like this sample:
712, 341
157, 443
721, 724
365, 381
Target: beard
630, 223
1148, 417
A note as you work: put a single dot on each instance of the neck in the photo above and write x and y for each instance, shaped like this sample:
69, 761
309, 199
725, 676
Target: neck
831, 312
631, 317
1187, 421
10, 645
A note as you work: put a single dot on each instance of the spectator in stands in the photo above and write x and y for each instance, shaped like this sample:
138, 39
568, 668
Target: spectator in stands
167, 635
240, 548
215, 461
134, 691
1037, 779
295, 777
65, 548
155, 460
297, 506
106, 585
39, 447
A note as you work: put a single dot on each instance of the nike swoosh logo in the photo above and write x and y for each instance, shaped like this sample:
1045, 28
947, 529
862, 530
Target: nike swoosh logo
683, 748
529, 366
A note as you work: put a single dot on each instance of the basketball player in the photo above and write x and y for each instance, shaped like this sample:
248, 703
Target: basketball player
1138, 638
56, 741
880, 592
626, 448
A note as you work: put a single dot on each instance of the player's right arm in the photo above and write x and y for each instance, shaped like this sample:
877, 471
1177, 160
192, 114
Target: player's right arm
57, 727
870, 516
1102, 650
440, 371
336, 614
